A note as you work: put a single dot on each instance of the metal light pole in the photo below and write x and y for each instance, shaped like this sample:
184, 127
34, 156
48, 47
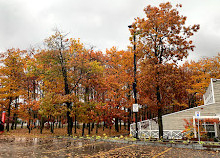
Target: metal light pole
135, 82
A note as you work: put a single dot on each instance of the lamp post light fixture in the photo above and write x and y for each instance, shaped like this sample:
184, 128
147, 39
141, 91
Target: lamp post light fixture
135, 82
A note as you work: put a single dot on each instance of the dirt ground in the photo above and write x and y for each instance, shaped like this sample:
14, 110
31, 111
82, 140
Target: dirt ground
17, 146
23, 132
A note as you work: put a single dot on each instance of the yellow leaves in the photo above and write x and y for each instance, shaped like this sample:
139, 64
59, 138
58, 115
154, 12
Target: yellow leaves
95, 67
55, 105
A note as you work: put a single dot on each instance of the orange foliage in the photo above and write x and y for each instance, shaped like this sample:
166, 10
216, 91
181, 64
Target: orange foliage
200, 74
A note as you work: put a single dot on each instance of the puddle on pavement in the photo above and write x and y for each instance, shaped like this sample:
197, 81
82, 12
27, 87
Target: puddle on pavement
24, 142
87, 149
102, 147
65, 144
53, 146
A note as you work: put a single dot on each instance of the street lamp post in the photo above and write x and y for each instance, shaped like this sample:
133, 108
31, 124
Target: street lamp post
135, 82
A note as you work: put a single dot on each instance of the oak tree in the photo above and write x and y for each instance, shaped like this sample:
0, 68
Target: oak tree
162, 37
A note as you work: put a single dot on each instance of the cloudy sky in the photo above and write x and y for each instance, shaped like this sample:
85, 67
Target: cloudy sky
99, 23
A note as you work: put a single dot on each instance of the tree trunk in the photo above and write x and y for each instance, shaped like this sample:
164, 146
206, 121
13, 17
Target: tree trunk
160, 113
110, 129
160, 123
129, 119
57, 122
9, 112
67, 91
13, 122
29, 126
16, 122
116, 125
93, 126
22, 123
51, 127
59, 126
41, 125
14, 116
89, 129
69, 121
83, 129
51, 124
97, 126
75, 124
103, 126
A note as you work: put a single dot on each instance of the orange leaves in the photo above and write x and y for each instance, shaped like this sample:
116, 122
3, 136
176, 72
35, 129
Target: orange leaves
161, 33
119, 71
200, 74
60, 99
189, 127
119, 78
162, 39
26, 110
211, 120
172, 83
195, 28
12, 75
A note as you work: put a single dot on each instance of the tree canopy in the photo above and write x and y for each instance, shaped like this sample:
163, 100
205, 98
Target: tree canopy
66, 82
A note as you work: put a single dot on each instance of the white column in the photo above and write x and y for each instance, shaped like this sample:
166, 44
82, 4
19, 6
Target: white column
194, 125
216, 130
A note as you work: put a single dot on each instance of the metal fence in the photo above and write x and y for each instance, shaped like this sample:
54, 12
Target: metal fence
145, 131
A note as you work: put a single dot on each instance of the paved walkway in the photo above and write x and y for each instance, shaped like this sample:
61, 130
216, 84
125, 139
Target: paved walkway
67, 147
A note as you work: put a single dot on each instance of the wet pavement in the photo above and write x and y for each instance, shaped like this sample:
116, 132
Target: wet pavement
69, 147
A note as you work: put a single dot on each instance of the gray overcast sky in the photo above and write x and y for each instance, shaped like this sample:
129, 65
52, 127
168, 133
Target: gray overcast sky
101, 23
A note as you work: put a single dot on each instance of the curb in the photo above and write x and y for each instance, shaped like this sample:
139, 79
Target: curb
194, 145
167, 144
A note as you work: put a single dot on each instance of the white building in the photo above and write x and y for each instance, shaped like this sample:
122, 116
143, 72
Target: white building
173, 124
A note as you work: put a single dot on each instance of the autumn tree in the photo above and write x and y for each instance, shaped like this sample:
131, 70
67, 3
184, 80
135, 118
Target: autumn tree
201, 72
90, 65
118, 79
29, 108
173, 88
51, 107
12, 81
63, 67
55, 60
27, 111
162, 38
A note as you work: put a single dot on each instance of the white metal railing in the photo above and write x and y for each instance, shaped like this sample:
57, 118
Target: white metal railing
145, 131
167, 134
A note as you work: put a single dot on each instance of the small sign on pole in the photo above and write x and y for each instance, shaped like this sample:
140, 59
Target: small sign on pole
197, 113
135, 107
